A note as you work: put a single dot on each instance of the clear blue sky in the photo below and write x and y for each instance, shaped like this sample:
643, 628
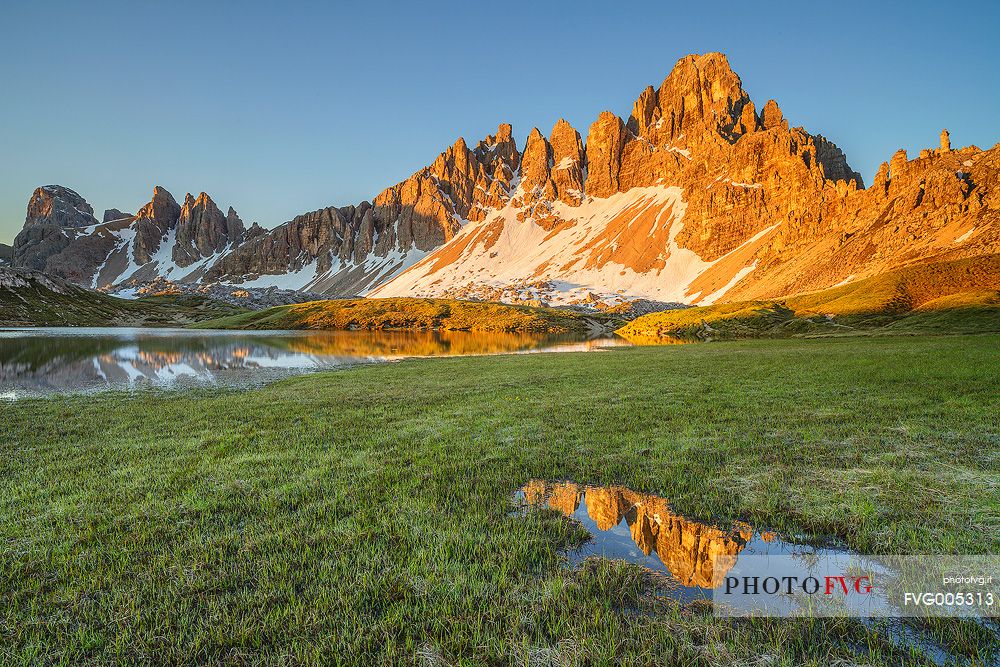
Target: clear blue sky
280, 108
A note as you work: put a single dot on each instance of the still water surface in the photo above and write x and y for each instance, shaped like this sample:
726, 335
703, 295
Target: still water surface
39, 361
696, 557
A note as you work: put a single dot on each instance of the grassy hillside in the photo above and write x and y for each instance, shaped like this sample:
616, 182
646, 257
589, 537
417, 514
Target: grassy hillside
947, 297
404, 313
31, 299
365, 517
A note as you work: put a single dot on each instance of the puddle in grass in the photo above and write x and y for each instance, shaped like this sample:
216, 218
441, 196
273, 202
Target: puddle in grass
641, 529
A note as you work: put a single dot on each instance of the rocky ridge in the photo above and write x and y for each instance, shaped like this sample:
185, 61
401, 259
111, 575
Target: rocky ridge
698, 196
12, 279
252, 298
163, 239
32, 298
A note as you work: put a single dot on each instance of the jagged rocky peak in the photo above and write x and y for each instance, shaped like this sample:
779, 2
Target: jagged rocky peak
500, 159
499, 151
605, 142
457, 172
701, 98
162, 209
234, 221
700, 111
254, 231
152, 222
945, 141
834, 162
771, 116
535, 164
6, 254
426, 208
552, 169
54, 219
56, 205
203, 230
569, 162
112, 214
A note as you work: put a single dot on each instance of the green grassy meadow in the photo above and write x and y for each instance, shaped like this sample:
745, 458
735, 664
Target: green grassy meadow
37, 306
365, 516
411, 313
957, 296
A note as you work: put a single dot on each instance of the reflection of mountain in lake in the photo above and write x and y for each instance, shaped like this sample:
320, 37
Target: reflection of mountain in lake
686, 548
59, 363
418, 343
47, 360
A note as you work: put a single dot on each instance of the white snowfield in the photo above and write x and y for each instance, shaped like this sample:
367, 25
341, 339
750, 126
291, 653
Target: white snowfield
598, 250
120, 265
310, 279
618, 248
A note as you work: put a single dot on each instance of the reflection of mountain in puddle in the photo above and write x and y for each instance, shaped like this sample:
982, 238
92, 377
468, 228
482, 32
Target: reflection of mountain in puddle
686, 548
641, 529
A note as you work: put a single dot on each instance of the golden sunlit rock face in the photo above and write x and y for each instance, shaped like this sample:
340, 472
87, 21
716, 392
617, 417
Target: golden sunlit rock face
698, 196
695, 554
761, 208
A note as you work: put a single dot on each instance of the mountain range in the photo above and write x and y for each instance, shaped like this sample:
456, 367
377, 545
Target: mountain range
699, 196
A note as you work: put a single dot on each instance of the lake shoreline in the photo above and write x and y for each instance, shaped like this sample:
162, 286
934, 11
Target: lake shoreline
40, 361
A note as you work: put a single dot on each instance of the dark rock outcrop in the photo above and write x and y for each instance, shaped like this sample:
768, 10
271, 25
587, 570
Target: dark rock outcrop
203, 231
152, 222
112, 214
62, 238
324, 236
59, 206
54, 213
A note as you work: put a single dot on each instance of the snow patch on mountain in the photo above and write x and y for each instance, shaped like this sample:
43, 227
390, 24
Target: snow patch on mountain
160, 265
565, 254
372, 271
715, 296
